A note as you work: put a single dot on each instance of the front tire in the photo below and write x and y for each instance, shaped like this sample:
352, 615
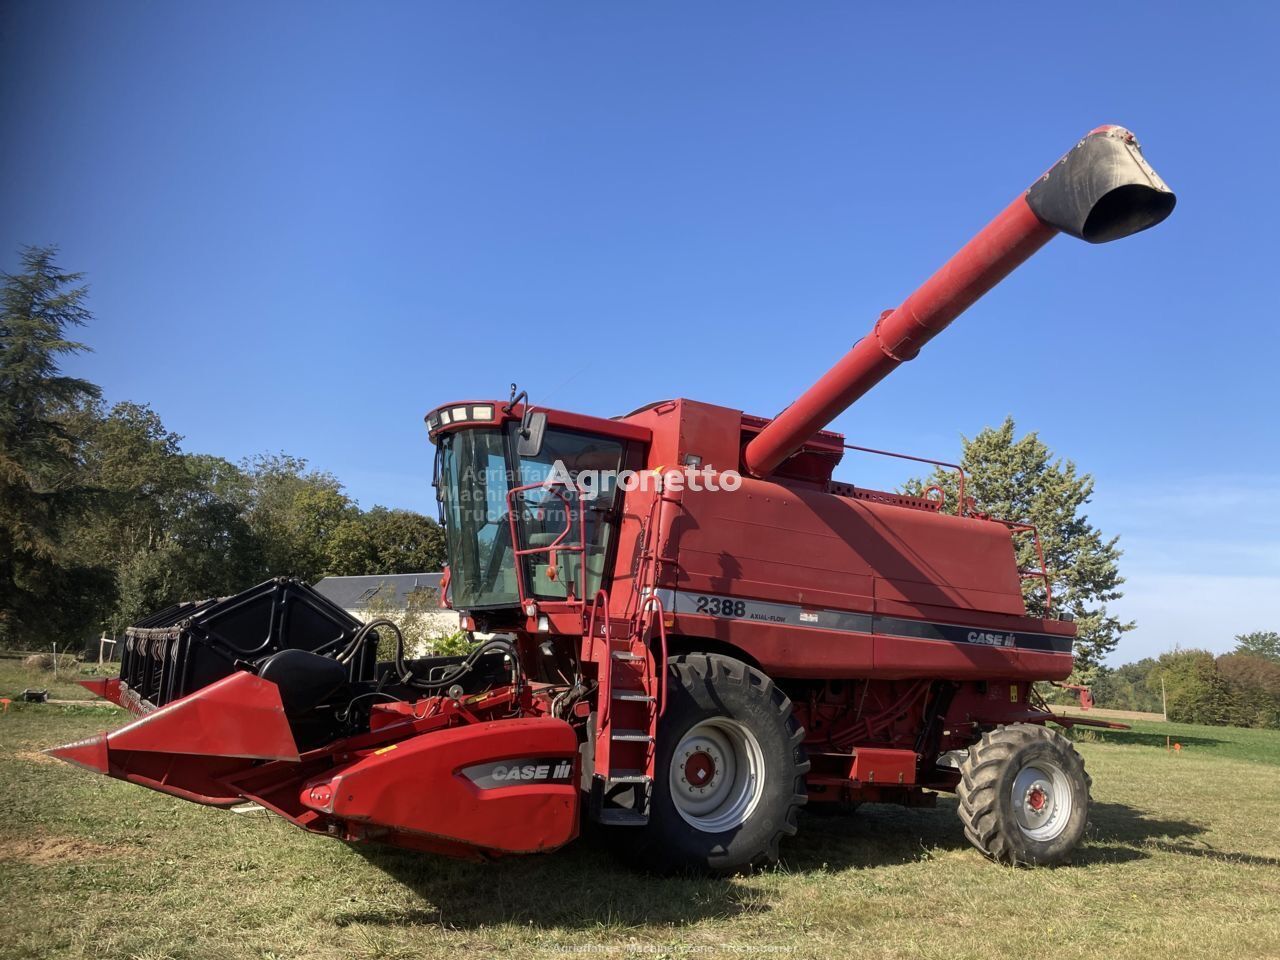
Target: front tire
1024, 795
729, 777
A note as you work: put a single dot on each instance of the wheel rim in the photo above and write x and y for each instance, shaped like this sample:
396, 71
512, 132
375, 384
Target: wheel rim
1042, 800
717, 775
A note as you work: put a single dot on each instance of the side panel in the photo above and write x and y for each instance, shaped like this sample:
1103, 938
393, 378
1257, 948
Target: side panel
804, 641
805, 546
505, 785
812, 584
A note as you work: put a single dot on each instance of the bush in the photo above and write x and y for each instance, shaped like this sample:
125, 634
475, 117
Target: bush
1195, 690
426, 633
44, 662
1236, 689
1252, 689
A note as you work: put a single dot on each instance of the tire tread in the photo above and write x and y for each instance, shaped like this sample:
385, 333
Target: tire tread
978, 790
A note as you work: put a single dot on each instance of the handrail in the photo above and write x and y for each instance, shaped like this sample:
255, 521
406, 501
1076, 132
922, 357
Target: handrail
961, 508
966, 508
580, 548
652, 604
605, 665
647, 569
1043, 573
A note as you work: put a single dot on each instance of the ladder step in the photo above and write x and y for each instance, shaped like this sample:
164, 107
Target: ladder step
633, 735
629, 776
619, 655
632, 695
616, 816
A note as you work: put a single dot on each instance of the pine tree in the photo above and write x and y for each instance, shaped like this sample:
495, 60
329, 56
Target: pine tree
40, 449
1019, 479
1260, 643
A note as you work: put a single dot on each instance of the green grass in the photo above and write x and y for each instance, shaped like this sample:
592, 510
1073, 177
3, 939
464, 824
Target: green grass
16, 677
1234, 743
1182, 858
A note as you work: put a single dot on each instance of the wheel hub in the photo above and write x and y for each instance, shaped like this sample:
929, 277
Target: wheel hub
1042, 800
699, 769
716, 775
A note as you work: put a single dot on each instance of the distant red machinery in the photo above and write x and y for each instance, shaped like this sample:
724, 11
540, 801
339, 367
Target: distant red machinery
1084, 694
692, 629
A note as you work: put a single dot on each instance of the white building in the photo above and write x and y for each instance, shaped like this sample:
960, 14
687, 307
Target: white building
388, 595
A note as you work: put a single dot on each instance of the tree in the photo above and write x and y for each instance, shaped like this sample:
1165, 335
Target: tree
206, 548
404, 541
1252, 689
349, 552
427, 631
1193, 687
136, 473
1019, 479
1125, 687
1260, 643
386, 541
210, 524
43, 589
104, 518
168, 525
293, 512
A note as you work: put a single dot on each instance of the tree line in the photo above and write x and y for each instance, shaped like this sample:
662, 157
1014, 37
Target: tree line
1239, 689
104, 518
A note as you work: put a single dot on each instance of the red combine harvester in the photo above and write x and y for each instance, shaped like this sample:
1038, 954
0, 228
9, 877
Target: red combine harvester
692, 629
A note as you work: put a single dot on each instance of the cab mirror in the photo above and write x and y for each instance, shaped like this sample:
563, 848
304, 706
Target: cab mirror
532, 428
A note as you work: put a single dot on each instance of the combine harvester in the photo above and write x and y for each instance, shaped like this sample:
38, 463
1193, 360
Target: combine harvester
685, 666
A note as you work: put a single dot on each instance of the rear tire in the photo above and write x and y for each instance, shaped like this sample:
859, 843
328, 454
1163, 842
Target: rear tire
729, 727
1024, 795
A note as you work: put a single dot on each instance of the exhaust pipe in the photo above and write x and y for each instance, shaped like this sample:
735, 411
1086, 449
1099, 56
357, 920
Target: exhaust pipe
1101, 190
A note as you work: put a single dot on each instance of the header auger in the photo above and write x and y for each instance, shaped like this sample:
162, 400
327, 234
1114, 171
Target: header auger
687, 628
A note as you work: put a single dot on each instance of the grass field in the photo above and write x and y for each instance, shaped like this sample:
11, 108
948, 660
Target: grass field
1182, 859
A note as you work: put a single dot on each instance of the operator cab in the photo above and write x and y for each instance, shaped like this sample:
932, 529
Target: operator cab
530, 514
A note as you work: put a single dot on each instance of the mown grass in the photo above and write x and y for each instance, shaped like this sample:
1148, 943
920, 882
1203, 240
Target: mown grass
1182, 858
1235, 743
16, 676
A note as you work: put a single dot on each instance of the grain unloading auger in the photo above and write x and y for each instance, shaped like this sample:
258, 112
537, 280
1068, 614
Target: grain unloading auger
693, 630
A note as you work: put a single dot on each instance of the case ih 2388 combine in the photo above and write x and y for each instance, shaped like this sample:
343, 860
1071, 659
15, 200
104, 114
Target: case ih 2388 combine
685, 666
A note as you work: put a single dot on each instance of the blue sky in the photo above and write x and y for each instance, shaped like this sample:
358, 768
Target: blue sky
305, 224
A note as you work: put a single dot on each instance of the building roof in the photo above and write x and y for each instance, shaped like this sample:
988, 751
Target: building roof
352, 593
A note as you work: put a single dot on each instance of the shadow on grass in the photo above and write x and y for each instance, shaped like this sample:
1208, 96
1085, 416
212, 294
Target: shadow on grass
1117, 833
879, 835
580, 887
584, 886
1116, 823
1222, 856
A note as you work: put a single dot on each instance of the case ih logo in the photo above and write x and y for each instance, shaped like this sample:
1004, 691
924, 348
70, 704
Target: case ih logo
992, 639
510, 773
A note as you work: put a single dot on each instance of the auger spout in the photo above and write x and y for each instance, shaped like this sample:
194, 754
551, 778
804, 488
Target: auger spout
1101, 190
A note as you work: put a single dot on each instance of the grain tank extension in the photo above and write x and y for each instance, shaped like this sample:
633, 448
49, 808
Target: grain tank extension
688, 629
